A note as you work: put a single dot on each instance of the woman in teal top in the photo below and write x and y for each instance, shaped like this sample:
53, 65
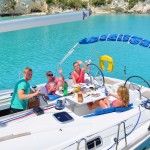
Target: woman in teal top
22, 92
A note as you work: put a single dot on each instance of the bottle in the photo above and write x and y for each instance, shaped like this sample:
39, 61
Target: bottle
101, 81
106, 92
65, 89
70, 77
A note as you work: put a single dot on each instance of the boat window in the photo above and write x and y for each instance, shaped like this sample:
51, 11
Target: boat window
94, 142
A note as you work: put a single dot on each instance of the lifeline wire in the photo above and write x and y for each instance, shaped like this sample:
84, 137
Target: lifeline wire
130, 131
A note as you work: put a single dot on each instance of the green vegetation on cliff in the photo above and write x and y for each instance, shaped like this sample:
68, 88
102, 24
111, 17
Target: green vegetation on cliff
98, 3
68, 4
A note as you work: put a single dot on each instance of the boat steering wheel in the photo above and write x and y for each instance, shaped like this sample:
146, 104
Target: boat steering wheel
135, 86
139, 78
95, 71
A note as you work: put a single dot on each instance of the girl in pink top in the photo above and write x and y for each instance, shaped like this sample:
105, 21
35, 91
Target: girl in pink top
78, 73
122, 100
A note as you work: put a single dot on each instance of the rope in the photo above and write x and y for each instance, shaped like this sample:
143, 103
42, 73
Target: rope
140, 41
99, 37
94, 51
130, 39
117, 37
107, 37
122, 37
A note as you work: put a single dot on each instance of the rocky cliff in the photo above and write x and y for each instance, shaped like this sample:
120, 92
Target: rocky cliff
141, 8
20, 7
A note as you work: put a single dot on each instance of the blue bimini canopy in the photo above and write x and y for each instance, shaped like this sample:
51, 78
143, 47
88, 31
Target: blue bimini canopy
109, 37
117, 37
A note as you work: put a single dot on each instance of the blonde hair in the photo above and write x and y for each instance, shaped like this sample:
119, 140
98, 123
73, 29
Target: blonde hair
123, 93
27, 69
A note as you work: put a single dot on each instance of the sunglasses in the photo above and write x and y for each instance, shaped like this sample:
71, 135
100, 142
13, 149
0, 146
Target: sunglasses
50, 75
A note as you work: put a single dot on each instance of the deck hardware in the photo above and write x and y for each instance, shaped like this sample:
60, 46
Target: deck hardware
116, 140
149, 128
83, 139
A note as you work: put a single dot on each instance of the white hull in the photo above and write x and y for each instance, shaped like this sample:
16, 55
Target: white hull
27, 131
44, 132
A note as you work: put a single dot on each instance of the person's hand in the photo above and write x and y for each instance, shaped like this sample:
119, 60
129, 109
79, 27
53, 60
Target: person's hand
56, 87
43, 95
53, 89
105, 100
79, 62
108, 93
38, 90
60, 71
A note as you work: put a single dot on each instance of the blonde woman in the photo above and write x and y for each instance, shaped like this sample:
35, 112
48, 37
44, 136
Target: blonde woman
122, 100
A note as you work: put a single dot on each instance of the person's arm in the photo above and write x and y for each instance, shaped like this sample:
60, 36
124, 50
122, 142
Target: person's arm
62, 76
85, 67
114, 95
50, 88
73, 78
23, 96
43, 95
104, 103
107, 102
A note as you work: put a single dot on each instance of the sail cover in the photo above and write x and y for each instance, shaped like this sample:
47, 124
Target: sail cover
117, 37
19, 24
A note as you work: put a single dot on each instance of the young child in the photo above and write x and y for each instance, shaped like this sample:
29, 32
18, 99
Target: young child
122, 100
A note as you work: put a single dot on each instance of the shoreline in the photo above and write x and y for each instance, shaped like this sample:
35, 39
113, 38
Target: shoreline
44, 13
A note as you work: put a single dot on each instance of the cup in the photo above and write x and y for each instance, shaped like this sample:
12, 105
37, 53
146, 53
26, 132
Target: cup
59, 105
61, 88
80, 97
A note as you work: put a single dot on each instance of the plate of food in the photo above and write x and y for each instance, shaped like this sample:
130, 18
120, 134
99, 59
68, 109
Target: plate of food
95, 94
81, 84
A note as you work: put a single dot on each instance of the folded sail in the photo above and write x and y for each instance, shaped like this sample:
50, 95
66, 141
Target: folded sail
19, 24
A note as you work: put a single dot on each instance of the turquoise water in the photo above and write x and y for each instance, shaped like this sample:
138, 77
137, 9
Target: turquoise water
144, 146
43, 48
